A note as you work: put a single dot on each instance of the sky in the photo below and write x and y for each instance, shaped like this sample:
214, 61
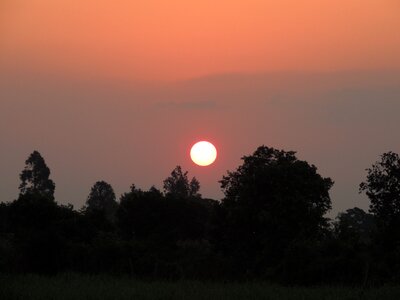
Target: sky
120, 90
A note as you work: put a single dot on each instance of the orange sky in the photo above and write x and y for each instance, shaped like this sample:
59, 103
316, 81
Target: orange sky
80, 82
176, 39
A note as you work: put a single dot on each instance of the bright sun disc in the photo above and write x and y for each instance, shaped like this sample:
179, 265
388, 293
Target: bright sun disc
203, 153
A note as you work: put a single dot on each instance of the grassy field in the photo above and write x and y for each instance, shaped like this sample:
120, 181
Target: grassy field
73, 286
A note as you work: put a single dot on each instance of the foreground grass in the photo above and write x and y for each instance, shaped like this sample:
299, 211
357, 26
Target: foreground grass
74, 286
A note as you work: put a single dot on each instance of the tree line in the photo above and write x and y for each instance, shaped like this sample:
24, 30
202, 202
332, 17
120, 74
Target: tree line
270, 225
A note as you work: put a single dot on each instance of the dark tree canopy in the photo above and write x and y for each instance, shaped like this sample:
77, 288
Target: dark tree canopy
178, 185
383, 189
138, 212
148, 214
270, 225
275, 185
271, 200
102, 199
35, 177
355, 224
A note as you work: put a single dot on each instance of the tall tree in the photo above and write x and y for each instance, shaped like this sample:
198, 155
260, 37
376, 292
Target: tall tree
102, 200
271, 200
178, 185
382, 187
35, 177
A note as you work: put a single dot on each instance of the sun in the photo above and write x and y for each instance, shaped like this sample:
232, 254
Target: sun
203, 153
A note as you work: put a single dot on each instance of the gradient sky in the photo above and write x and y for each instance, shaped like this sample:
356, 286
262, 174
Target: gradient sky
120, 90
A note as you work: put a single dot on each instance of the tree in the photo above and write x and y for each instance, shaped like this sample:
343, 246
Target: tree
149, 215
35, 177
270, 201
354, 233
355, 224
178, 185
156, 227
140, 213
102, 200
383, 189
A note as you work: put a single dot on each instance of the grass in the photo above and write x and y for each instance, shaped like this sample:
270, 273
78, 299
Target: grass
75, 286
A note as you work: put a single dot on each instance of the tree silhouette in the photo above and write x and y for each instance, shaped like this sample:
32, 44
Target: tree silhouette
270, 201
355, 234
102, 200
35, 177
139, 213
178, 185
269, 225
149, 215
355, 224
383, 189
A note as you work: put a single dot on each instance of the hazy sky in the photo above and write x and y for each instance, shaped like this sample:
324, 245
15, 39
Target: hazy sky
120, 90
